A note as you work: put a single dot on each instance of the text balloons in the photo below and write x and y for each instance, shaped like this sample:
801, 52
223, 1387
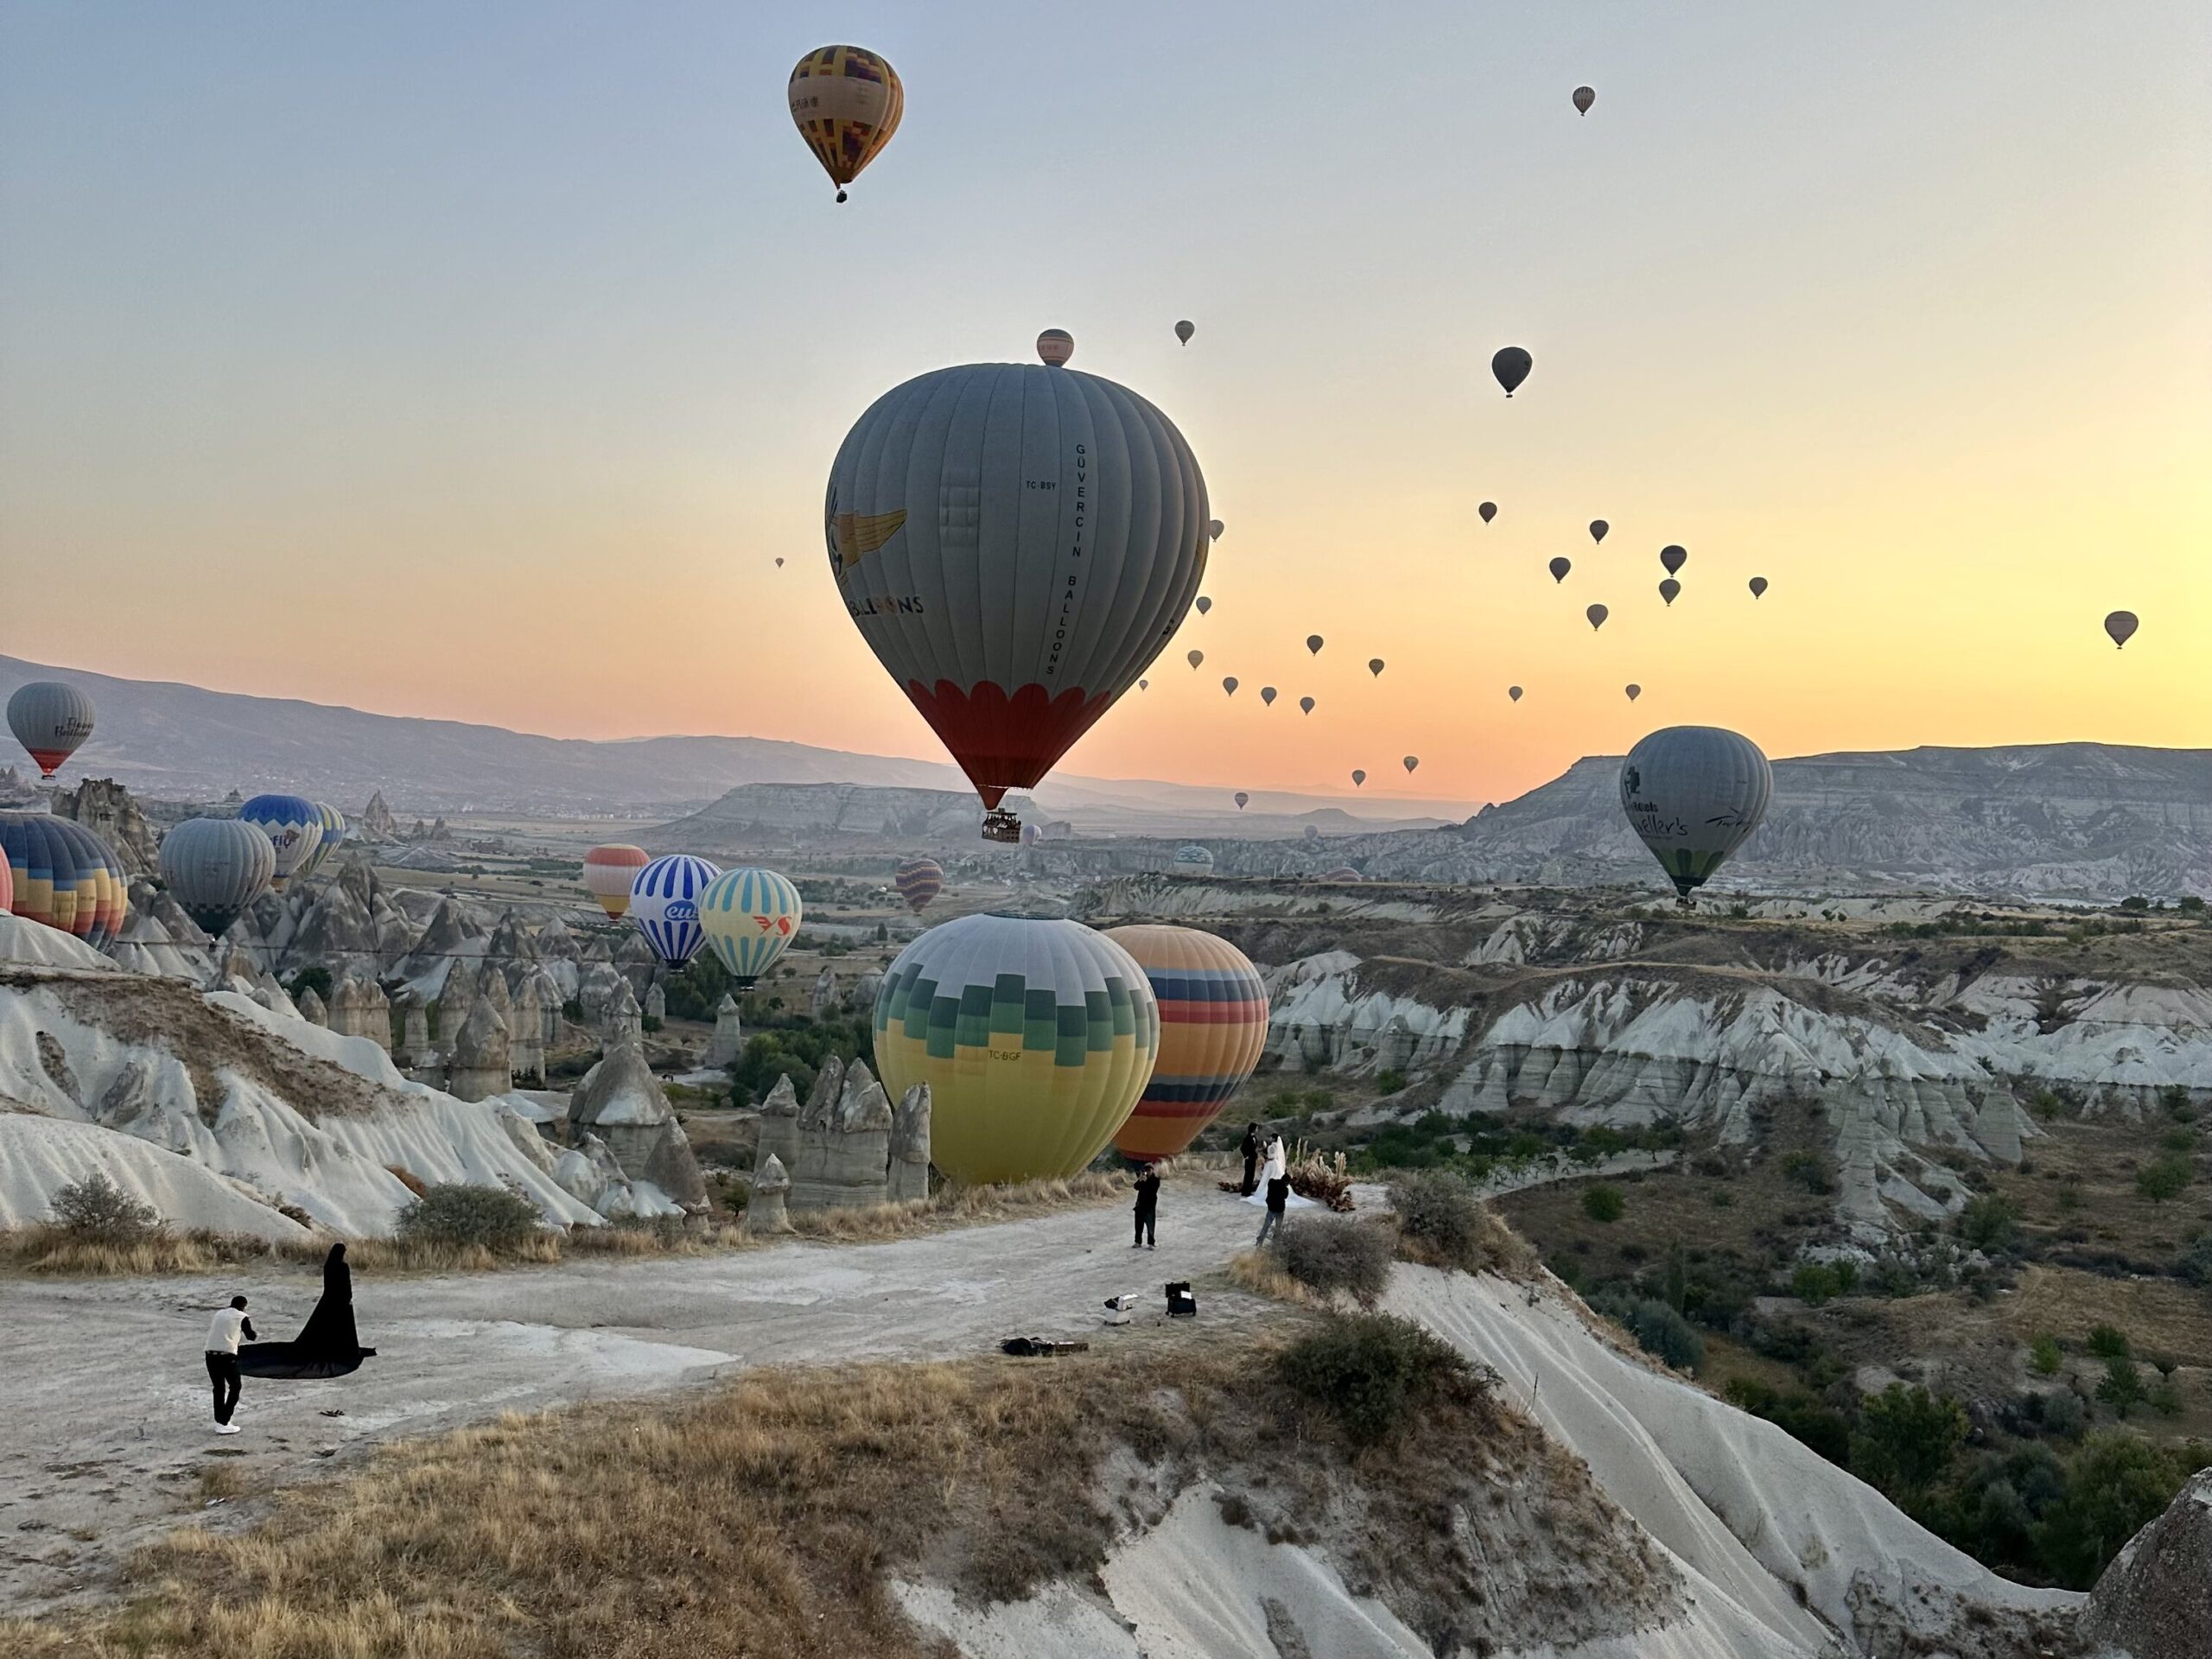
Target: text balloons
1559, 569
1584, 97
846, 103
1184, 329
609, 872
1669, 589
293, 829
1488, 510
1597, 614
2121, 625
1673, 557
1055, 346
917, 880
1511, 366
749, 917
1213, 1027
1694, 794
215, 867
664, 905
50, 721
1758, 586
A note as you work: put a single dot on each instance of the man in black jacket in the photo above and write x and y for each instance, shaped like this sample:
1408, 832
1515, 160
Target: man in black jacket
1251, 1151
1148, 1209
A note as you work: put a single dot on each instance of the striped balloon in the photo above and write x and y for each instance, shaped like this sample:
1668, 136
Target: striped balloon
665, 904
919, 880
215, 867
333, 831
1213, 1025
65, 877
1035, 1039
609, 872
750, 915
293, 829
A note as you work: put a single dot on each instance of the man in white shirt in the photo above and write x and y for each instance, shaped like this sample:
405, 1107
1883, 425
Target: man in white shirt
223, 1333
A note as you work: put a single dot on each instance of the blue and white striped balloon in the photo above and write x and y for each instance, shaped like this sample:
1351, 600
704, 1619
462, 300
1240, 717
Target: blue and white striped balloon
293, 829
665, 904
750, 915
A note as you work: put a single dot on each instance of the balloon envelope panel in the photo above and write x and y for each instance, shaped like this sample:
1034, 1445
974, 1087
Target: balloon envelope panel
665, 904
1213, 1025
750, 915
65, 877
1035, 1037
1694, 794
293, 826
216, 867
609, 872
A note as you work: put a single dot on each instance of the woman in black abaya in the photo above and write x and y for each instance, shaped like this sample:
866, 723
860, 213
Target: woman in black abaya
327, 1344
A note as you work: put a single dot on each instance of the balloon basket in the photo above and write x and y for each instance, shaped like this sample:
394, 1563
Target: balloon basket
1001, 825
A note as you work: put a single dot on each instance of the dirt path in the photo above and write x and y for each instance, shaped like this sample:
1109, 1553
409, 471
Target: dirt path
105, 1440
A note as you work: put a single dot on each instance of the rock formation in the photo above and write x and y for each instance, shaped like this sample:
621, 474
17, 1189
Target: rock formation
865, 989
374, 821
909, 1175
2155, 1600
620, 1100
655, 1006
728, 1040
311, 1007
823, 1002
479, 1060
765, 1210
358, 1008
105, 807
414, 1032
526, 1030
778, 1134
839, 1148
625, 1021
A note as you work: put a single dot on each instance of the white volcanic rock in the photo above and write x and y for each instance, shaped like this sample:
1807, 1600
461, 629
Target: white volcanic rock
41, 1155
728, 1040
622, 1102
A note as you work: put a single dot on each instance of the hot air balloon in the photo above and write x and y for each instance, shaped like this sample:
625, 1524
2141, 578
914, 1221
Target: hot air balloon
1669, 588
1213, 530
1241, 798
609, 872
64, 877
1511, 366
1358, 777
1036, 1039
1192, 860
1488, 510
1758, 586
1213, 1027
779, 564
1342, 872
963, 497
847, 103
1693, 794
2121, 625
1029, 836
1634, 691
1195, 658
665, 904
50, 720
1584, 98
215, 867
1412, 761
1055, 346
918, 881
333, 831
1598, 529
1597, 614
1314, 644
749, 916
1305, 705
1311, 832
1514, 692
293, 829
1375, 666
1184, 330
1673, 557
1229, 684
1204, 605
1559, 569
1267, 696
1144, 685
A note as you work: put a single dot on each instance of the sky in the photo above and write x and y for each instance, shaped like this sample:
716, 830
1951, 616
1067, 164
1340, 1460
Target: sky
478, 362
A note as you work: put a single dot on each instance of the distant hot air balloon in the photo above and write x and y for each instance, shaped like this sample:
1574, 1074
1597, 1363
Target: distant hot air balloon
1634, 691
1144, 685
1342, 872
1055, 346
1584, 98
1673, 557
749, 917
1305, 705
1358, 778
50, 720
1241, 798
1669, 589
779, 564
1376, 665
1192, 860
1010, 688
1194, 659
1488, 510
1758, 586
1267, 696
847, 103
1694, 794
1598, 529
1213, 1027
293, 829
1036, 1039
1314, 644
64, 877
333, 831
1229, 684
1311, 832
215, 867
1204, 605
1511, 366
1184, 330
1597, 614
1514, 692
609, 872
1412, 761
2121, 625
665, 904
1560, 568
918, 881
1213, 530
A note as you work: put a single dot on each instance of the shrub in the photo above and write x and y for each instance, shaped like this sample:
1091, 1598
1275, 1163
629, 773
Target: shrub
648, 1024
315, 979
1988, 1223
1391, 1081
1442, 1212
2063, 1413
2122, 1386
97, 1211
2116, 1484
1328, 1257
1660, 1331
2195, 1263
2166, 1399
486, 1217
1604, 1202
1370, 1372
1811, 1171
2107, 1342
2164, 1176
2044, 1356
1815, 1283
1905, 1440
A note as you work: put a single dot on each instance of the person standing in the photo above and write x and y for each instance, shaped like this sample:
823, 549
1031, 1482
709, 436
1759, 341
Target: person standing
1148, 1211
223, 1333
1251, 1148
1278, 1179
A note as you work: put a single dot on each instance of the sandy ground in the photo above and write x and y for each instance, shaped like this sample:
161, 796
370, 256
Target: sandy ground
105, 1440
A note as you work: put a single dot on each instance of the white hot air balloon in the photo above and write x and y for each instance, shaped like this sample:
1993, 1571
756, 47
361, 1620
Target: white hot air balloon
1694, 794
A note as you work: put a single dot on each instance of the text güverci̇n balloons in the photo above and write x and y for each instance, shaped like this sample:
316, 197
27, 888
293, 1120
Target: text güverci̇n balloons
50, 721
609, 872
215, 867
846, 102
749, 916
1694, 794
664, 905
1213, 1025
293, 829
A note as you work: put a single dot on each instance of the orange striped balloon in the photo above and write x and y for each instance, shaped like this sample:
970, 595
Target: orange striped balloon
609, 872
1213, 1024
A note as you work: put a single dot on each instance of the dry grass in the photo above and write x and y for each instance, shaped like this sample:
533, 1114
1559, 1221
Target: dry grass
1260, 1273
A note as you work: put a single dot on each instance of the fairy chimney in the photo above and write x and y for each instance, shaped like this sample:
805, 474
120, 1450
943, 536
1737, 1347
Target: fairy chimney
480, 1059
728, 1040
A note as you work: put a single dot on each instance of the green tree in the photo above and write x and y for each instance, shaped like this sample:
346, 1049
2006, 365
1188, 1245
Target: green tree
1604, 1202
2115, 1485
2164, 1176
1988, 1223
1905, 1440
2108, 1342
2045, 1356
2122, 1386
